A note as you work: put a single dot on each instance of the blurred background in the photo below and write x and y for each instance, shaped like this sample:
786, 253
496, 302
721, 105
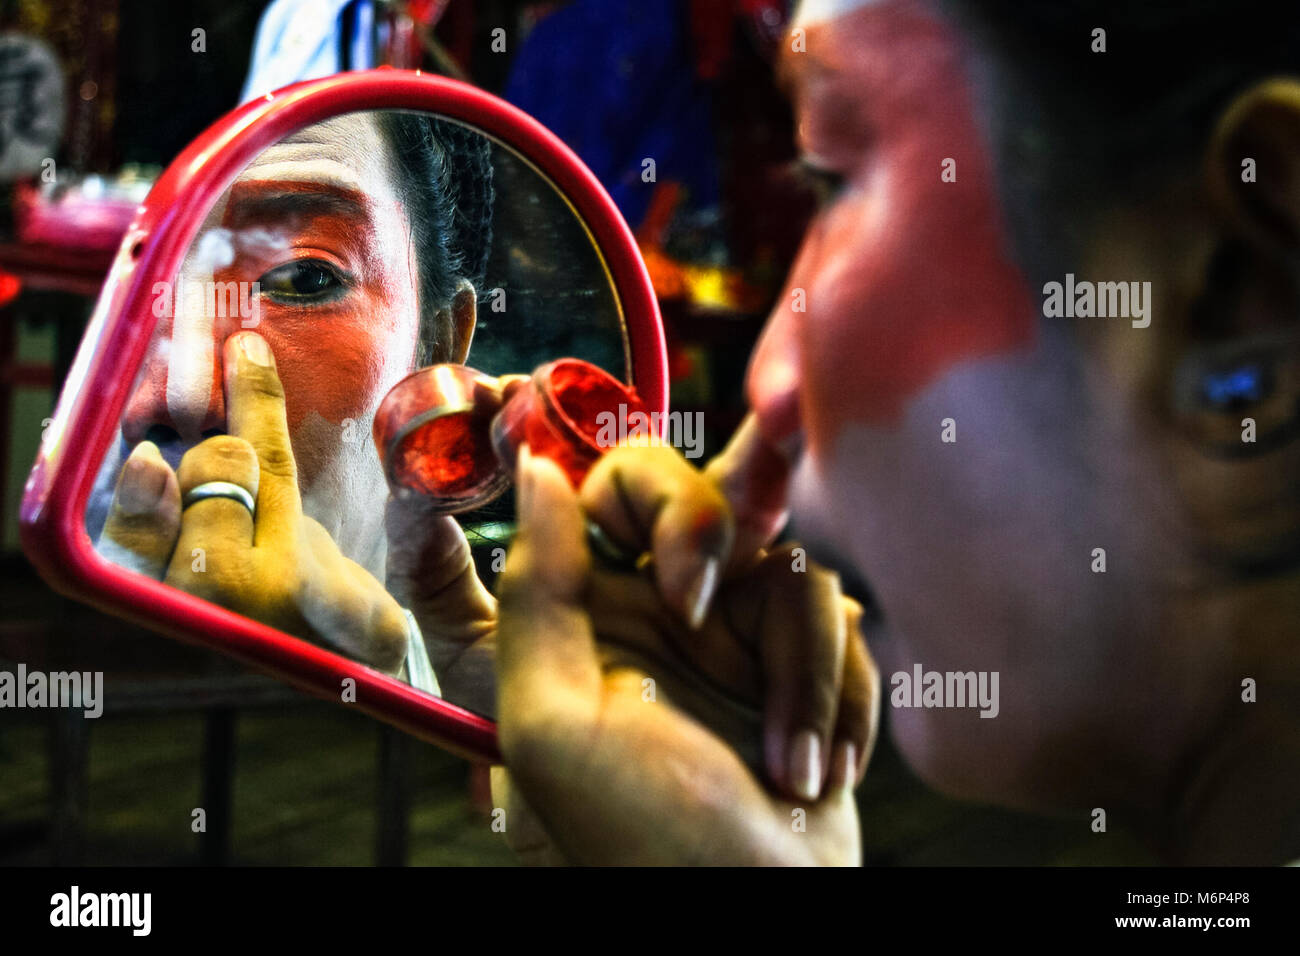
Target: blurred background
96, 97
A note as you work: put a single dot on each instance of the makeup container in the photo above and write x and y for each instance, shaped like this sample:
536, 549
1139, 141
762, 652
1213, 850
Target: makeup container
444, 432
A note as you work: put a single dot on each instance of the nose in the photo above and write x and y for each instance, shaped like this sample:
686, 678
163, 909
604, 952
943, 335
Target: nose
178, 394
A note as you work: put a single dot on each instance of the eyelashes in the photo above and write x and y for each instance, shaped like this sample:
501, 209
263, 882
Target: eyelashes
825, 184
305, 282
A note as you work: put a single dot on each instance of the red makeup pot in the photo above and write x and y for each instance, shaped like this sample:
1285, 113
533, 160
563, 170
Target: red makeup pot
444, 432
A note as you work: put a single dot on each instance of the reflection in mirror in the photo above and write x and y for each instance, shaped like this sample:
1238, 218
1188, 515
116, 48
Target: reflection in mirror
343, 258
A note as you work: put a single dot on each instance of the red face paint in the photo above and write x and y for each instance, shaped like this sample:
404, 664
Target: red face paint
359, 333
904, 275
443, 432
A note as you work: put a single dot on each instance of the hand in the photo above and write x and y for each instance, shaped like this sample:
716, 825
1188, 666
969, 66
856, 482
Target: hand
612, 777
276, 565
431, 571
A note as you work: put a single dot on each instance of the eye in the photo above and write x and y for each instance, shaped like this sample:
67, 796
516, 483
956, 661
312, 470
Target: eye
303, 279
825, 184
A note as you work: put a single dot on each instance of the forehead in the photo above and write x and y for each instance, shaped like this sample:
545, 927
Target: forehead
346, 152
882, 42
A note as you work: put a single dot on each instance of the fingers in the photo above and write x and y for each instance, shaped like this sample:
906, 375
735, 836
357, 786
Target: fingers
651, 498
145, 517
214, 526
548, 674
430, 570
255, 413
348, 608
802, 636
219, 522
754, 477
859, 713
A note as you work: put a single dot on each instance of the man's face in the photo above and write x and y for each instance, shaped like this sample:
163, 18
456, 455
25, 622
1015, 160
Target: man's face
315, 221
966, 457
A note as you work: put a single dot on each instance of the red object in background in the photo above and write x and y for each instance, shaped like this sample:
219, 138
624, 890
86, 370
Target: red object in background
72, 219
10, 287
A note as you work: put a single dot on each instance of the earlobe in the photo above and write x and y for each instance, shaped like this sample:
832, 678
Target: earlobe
464, 319
1253, 165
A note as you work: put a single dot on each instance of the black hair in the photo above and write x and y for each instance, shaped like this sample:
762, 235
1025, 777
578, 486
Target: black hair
1074, 131
444, 173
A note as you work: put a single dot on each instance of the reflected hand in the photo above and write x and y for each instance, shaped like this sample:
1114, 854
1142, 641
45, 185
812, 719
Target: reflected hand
766, 709
275, 565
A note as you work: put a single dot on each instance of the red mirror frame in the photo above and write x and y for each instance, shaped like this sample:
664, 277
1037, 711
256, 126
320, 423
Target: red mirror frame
90, 406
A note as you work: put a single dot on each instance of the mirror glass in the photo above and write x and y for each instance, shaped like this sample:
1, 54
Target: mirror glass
354, 252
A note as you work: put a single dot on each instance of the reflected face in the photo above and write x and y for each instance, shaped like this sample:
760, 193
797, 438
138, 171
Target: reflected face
905, 309
313, 243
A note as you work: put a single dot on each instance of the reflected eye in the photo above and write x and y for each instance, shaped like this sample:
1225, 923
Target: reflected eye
303, 279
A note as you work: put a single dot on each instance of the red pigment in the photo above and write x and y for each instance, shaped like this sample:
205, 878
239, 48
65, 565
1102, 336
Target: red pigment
447, 458
581, 392
559, 415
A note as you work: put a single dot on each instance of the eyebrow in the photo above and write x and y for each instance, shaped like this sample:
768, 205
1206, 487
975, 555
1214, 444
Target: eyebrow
262, 200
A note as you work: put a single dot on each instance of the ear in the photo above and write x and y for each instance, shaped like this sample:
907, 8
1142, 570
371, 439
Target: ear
1254, 166
462, 317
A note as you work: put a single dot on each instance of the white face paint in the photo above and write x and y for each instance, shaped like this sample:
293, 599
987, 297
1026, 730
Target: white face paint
818, 11
190, 360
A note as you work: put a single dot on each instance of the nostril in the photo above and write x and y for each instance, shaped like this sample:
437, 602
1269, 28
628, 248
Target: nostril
161, 435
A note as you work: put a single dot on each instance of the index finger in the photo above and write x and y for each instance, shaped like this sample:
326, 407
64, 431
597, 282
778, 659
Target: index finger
255, 413
754, 477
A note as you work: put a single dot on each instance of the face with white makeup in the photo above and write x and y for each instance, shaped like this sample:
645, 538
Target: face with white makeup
315, 243
963, 457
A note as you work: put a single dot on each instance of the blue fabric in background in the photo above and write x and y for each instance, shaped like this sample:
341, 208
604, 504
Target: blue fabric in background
305, 39
615, 80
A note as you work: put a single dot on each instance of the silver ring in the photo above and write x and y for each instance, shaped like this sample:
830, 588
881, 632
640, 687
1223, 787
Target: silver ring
220, 489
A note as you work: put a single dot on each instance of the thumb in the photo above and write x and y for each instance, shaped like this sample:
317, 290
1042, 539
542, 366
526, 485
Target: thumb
755, 478
548, 675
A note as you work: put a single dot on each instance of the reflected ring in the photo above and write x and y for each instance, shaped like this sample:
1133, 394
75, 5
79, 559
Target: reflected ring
220, 489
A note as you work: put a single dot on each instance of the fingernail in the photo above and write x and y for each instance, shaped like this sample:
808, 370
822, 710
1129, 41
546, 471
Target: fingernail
142, 483
255, 349
844, 766
524, 483
700, 593
806, 765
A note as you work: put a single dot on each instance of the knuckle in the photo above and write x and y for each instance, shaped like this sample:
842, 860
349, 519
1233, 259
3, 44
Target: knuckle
262, 381
278, 460
220, 454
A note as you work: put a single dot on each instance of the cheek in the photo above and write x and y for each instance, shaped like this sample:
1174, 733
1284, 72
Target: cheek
337, 370
906, 277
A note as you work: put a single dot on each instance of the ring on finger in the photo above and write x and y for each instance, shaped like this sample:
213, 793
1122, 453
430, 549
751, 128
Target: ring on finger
220, 489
